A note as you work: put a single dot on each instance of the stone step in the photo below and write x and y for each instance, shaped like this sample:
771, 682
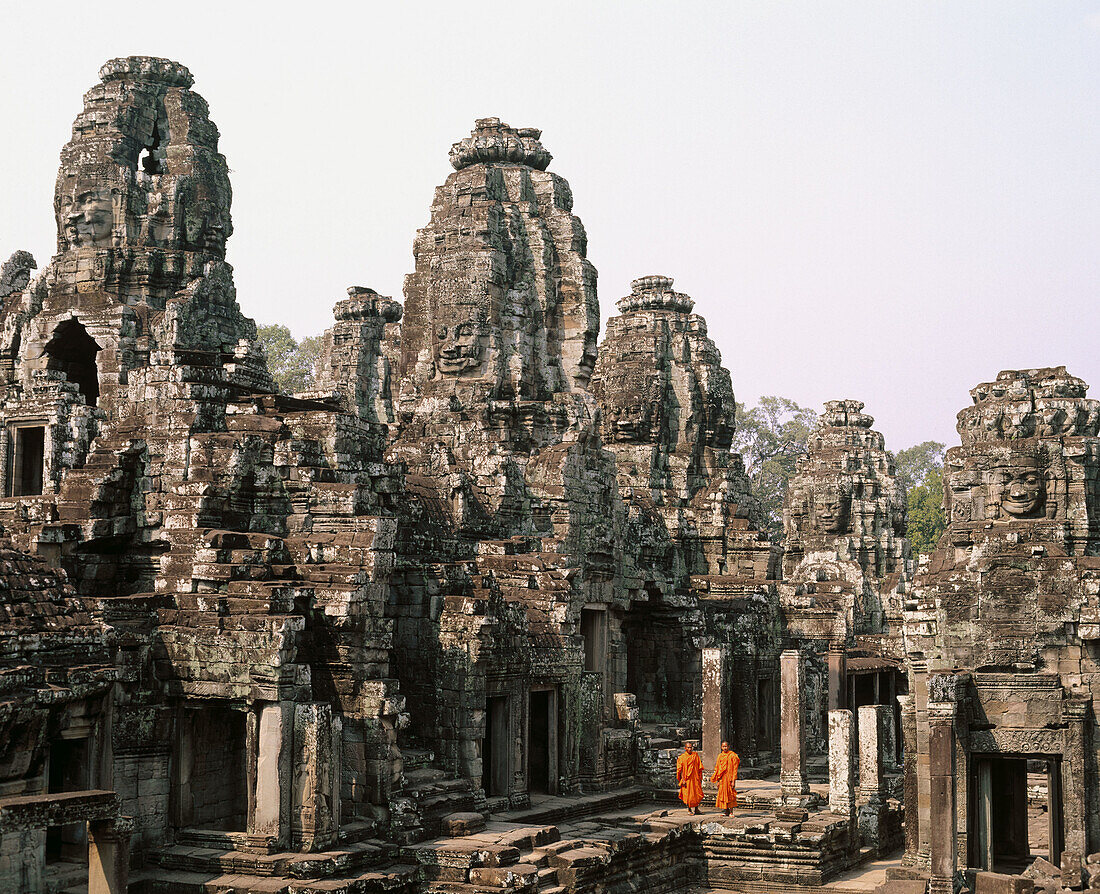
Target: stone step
352, 856
422, 775
555, 810
416, 758
391, 879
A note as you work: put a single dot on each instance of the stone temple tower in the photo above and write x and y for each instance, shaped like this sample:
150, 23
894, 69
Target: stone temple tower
846, 566
667, 410
499, 332
1002, 634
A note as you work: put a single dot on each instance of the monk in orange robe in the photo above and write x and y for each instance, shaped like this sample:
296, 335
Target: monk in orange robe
725, 777
689, 776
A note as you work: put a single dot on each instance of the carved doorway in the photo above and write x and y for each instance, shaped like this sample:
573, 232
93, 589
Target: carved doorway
496, 770
542, 742
73, 351
1016, 811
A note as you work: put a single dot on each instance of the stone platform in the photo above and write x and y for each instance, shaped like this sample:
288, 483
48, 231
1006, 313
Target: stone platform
622, 840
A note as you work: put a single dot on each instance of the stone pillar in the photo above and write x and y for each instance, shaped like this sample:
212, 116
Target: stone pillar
889, 737
715, 704
270, 814
838, 679
1074, 792
872, 723
109, 855
792, 732
842, 763
318, 749
919, 694
909, 776
942, 819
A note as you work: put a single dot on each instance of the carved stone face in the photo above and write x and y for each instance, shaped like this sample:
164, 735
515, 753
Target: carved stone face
833, 510
628, 424
89, 219
1023, 489
459, 348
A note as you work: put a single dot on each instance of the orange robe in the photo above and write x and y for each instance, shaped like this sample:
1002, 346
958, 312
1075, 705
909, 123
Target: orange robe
689, 776
725, 776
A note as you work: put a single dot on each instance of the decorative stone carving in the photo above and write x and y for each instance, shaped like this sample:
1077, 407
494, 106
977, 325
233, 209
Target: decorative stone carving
15, 274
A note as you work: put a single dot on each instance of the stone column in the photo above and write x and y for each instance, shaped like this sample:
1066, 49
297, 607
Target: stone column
1074, 792
270, 814
872, 738
838, 679
792, 733
919, 694
318, 749
909, 776
842, 763
109, 855
889, 737
942, 819
715, 704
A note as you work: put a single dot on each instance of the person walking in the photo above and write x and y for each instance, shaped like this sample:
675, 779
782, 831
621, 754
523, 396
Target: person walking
689, 776
725, 777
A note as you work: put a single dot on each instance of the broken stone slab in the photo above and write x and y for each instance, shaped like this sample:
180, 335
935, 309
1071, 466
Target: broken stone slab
515, 877
998, 883
1041, 868
457, 825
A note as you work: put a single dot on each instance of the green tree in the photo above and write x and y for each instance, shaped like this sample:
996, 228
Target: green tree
770, 438
292, 363
926, 521
914, 464
920, 472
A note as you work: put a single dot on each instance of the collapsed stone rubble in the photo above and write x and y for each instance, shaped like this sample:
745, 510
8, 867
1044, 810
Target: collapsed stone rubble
443, 621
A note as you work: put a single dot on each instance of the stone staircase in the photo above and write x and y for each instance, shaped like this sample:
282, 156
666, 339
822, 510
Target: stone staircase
445, 803
199, 864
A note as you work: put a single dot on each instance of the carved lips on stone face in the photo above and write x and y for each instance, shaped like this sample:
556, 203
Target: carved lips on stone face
459, 349
89, 218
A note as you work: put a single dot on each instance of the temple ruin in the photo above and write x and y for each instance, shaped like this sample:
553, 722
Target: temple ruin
442, 623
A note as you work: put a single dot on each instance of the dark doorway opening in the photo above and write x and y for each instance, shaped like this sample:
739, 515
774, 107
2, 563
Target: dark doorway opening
72, 351
1016, 812
661, 663
26, 460
495, 770
538, 745
69, 771
594, 631
765, 715
213, 783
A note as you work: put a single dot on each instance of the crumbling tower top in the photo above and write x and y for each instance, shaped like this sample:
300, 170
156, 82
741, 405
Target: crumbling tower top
146, 68
654, 292
492, 141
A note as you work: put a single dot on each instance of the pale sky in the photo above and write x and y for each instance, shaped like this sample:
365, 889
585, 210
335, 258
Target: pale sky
889, 201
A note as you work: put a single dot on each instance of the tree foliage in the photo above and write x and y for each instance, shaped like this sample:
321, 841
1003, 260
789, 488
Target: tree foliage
770, 438
914, 464
292, 363
920, 472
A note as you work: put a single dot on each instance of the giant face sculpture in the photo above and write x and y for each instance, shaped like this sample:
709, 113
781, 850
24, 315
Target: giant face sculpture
833, 511
459, 347
1022, 487
89, 215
